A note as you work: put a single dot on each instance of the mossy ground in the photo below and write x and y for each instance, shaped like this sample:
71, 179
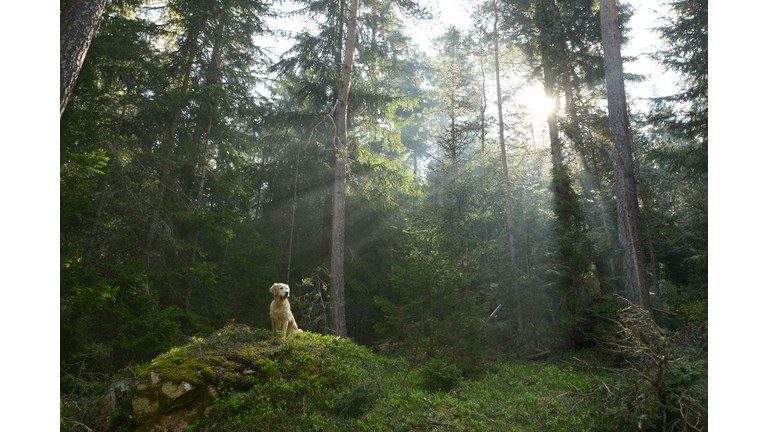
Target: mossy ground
313, 382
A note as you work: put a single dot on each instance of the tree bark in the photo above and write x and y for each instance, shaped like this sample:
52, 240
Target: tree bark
338, 323
635, 281
507, 191
483, 106
550, 92
77, 25
325, 244
293, 218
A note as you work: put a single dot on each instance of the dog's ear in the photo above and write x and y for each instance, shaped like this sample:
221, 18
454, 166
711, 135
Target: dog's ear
274, 288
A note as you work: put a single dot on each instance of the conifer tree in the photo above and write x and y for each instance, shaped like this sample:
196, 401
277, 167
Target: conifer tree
635, 280
337, 320
457, 95
505, 169
685, 51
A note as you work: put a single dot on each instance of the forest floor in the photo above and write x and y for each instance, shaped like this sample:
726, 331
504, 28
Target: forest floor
314, 382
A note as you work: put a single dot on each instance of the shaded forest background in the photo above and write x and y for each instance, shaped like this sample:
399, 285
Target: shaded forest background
196, 170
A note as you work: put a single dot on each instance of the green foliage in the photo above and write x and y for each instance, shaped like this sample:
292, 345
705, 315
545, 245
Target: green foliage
356, 402
439, 374
304, 382
315, 382
428, 252
685, 50
310, 382
663, 385
504, 397
428, 308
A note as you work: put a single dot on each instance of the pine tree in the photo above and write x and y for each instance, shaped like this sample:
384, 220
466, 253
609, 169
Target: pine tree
635, 281
338, 322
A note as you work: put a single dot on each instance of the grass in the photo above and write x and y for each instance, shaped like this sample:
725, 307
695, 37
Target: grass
506, 397
315, 382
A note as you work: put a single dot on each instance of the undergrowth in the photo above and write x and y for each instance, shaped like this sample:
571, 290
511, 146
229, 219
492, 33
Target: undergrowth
324, 383
313, 382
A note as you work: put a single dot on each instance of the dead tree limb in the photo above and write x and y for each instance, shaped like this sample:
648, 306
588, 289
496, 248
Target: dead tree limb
494, 312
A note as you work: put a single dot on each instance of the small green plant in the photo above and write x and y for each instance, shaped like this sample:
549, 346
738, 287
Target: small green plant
439, 374
355, 402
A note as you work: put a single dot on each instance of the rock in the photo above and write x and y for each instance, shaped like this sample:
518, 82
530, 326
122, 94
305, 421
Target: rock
168, 404
176, 394
175, 391
115, 399
144, 407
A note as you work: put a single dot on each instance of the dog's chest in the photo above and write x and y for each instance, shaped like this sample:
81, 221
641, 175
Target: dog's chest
279, 307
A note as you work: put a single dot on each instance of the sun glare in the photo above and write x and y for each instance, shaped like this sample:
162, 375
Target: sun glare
536, 103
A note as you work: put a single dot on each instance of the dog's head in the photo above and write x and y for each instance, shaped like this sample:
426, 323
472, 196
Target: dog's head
280, 289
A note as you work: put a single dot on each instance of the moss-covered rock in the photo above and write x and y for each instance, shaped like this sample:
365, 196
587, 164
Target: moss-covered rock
277, 376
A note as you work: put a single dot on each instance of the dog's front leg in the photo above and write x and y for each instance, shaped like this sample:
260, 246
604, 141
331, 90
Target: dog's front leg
273, 327
285, 329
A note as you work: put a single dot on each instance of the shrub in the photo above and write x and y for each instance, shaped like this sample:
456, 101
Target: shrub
439, 374
662, 387
355, 402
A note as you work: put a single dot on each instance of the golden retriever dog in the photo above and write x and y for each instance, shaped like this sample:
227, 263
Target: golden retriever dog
280, 311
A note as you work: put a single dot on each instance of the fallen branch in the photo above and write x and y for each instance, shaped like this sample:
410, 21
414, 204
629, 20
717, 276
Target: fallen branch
580, 392
601, 382
543, 353
494, 312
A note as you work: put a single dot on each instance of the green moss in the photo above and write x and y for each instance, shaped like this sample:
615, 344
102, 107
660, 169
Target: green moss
304, 379
316, 382
208, 375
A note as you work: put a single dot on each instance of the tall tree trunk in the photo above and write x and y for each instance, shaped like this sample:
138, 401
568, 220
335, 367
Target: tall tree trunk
483, 106
166, 153
77, 25
338, 323
325, 244
453, 144
293, 218
213, 79
550, 92
573, 131
507, 189
649, 228
633, 269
